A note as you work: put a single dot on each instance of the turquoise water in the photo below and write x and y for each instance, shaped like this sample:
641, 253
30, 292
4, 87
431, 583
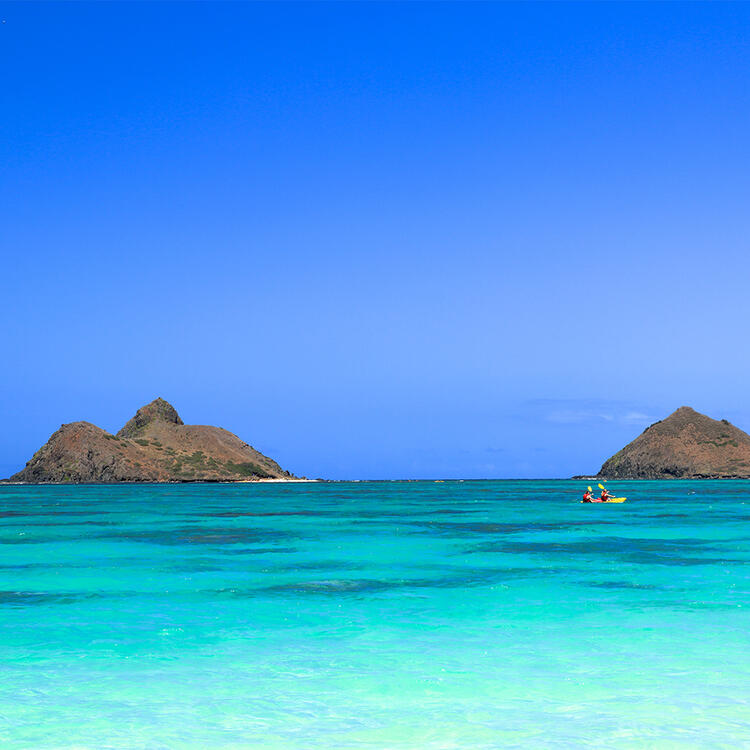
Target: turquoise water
375, 615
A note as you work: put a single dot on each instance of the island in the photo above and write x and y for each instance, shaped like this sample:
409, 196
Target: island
685, 445
154, 446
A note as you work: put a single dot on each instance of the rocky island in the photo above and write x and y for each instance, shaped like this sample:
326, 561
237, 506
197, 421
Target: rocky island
685, 445
154, 446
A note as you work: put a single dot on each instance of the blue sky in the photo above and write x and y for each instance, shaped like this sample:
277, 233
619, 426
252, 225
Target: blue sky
376, 240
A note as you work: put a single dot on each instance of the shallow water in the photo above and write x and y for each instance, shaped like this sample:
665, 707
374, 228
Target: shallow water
375, 615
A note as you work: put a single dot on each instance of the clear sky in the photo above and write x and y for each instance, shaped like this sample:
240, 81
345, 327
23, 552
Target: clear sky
381, 240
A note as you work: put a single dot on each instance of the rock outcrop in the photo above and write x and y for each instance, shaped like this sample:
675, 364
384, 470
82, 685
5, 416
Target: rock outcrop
154, 446
685, 445
158, 410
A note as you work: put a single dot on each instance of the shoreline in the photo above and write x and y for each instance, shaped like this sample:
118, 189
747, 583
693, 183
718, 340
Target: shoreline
274, 480
269, 480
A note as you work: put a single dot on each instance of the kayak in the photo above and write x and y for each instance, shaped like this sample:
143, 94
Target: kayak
611, 500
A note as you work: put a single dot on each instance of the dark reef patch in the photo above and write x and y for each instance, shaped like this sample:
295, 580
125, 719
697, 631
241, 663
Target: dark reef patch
30, 598
623, 585
260, 551
61, 512
201, 535
54, 524
334, 586
30, 539
458, 579
242, 514
321, 565
625, 549
468, 529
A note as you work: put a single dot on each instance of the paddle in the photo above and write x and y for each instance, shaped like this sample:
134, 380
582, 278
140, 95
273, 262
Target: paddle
611, 499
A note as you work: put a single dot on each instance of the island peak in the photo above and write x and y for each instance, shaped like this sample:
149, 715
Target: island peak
158, 410
685, 445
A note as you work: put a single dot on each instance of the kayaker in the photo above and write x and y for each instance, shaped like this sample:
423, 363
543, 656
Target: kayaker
604, 496
587, 496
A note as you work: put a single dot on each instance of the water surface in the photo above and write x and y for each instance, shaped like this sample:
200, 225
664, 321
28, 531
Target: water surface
375, 615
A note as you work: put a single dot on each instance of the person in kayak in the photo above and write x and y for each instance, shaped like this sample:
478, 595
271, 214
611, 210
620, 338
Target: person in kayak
587, 496
604, 496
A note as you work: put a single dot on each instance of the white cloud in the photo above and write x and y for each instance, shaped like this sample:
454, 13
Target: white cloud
572, 416
592, 411
636, 417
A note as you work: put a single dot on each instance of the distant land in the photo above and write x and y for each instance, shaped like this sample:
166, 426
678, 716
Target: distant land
685, 445
157, 446
154, 446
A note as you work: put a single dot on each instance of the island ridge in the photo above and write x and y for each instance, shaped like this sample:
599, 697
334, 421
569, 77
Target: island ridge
154, 446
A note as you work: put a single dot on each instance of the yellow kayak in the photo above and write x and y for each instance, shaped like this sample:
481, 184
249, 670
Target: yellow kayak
611, 500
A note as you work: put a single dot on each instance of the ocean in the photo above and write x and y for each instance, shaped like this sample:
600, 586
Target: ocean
487, 614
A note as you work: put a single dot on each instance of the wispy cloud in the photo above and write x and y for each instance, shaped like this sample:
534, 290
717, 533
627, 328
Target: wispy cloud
591, 411
636, 417
573, 416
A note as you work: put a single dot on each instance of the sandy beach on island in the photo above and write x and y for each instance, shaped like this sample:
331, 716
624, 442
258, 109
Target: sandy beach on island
273, 481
